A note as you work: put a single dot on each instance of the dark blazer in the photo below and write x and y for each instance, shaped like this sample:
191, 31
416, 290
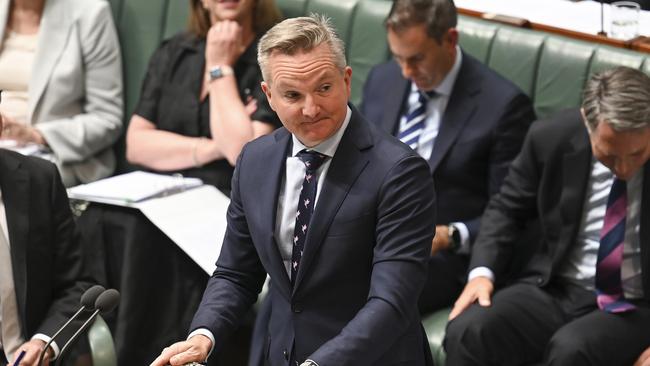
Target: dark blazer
548, 181
46, 260
480, 133
365, 259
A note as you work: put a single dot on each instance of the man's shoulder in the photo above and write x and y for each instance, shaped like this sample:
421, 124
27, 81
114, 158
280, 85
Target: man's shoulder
36, 167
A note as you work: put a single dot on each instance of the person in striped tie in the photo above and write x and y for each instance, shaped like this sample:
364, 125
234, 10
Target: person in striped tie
463, 118
583, 298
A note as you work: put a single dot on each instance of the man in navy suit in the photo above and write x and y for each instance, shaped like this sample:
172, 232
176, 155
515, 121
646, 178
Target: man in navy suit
584, 297
472, 126
346, 274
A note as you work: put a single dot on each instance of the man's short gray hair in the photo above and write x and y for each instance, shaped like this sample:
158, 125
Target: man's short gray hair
438, 16
300, 34
619, 96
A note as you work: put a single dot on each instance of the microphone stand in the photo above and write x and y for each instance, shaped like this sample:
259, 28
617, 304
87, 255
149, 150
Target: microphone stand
74, 337
44, 350
602, 20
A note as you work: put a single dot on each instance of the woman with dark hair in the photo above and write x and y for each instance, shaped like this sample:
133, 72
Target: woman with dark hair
201, 99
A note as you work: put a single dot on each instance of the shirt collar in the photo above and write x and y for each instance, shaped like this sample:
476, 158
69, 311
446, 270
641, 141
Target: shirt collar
327, 147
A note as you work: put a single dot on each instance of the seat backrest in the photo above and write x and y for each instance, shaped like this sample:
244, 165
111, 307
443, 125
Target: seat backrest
102, 347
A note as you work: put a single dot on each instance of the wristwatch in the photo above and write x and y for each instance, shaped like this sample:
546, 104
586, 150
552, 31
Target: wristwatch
454, 238
220, 71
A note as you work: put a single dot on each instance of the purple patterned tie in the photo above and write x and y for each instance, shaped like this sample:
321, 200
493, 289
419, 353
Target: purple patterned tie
312, 160
610, 253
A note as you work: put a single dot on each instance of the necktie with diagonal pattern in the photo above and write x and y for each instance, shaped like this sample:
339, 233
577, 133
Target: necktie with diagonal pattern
609, 289
413, 125
312, 160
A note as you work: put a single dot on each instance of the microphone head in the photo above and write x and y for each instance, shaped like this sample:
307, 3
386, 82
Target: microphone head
107, 301
90, 296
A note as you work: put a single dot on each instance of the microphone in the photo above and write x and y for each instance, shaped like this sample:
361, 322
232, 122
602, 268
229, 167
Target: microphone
87, 303
106, 302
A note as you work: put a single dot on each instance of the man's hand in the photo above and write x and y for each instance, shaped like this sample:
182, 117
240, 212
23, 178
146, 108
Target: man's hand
194, 349
644, 359
32, 350
479, 288
441, 240
224, 44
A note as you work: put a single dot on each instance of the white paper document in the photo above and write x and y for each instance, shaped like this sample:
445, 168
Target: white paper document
130, 188
195, 220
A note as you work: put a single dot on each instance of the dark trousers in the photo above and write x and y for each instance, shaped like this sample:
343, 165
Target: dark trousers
3, 358
445, 281
560, 325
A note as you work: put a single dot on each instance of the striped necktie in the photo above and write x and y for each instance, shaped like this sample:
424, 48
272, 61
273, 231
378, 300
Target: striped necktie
609, 289
413, 125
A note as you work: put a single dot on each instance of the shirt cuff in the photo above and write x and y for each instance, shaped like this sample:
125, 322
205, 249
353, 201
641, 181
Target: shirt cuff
46, 339
309, 362
480, 272
204, 332
464, 237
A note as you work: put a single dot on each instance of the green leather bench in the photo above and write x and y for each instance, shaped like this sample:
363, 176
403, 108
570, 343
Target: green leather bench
551, 69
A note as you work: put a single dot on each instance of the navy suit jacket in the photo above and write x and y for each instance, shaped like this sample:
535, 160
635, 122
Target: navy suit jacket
45, 257
481, 131
364, 263
548, 182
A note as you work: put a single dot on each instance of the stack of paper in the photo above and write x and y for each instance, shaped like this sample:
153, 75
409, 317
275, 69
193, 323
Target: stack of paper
131, 188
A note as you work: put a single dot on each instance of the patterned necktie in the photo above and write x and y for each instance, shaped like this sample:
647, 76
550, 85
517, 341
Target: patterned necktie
312, 160
411, 129
610, 252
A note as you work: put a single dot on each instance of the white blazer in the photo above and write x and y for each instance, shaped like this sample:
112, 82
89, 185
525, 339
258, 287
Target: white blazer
75, 88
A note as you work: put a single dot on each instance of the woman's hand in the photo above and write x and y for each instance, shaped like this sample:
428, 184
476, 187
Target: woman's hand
224, 44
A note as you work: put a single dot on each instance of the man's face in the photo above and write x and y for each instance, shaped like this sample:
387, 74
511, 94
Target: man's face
309, 93
624, 153
422, 59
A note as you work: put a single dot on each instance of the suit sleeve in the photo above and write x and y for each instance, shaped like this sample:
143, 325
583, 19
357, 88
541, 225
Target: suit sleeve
67, 274
507, 141
235, 284
406, 216
78, 137
506, 215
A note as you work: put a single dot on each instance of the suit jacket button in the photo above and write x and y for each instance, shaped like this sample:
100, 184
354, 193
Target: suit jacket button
540, 280
285, 354
296, 307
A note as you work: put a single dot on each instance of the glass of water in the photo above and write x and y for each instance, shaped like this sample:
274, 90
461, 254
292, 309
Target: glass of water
625, 20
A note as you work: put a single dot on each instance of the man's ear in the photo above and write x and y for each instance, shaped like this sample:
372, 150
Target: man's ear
267, 91
584, 120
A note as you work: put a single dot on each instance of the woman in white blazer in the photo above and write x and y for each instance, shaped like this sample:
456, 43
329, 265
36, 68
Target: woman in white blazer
61, 71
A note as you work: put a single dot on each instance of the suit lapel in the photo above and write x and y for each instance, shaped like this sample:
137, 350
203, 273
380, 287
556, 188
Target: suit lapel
275, 160
396, 94
460, 108
348, 162
14, 183
576, 169
53, 35
645, 231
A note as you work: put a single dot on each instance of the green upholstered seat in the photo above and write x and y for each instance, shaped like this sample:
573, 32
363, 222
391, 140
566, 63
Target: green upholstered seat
367, 46
476, 37
292, 8
515, 54
102, 348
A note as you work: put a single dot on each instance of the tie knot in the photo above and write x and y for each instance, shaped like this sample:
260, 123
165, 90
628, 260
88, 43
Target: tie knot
312, 159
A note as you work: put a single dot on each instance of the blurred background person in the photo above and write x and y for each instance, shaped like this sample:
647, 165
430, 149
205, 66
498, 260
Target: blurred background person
60, 68
201, 99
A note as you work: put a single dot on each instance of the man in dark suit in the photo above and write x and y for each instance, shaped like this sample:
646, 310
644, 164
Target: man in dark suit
583, 299
473, 124
346, 275
40, 262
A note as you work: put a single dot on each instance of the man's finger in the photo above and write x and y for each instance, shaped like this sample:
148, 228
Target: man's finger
465, 299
